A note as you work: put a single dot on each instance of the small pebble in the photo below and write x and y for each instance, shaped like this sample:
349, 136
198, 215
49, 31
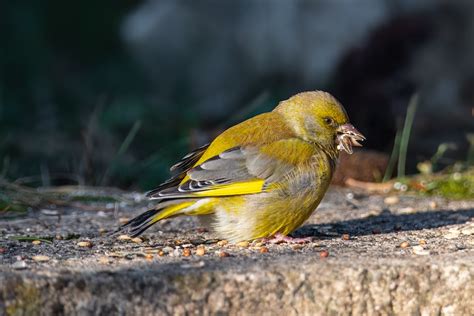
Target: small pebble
263, 249
137, 240
200, 251
346, 237
201, 230
452, 234
405, 244
223, 254
19, 265
222, 243
124, 237
391, 200
167, 249
186, 252
102, 231
422, 242
3, 250
36, 242
324, 254
58, 237
40, 258
86, 244
433, 204
468, 231
243, 244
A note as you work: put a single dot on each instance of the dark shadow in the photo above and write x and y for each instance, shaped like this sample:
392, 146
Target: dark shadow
387, 222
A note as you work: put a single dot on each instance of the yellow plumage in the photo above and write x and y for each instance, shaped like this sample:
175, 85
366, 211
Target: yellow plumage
262, 177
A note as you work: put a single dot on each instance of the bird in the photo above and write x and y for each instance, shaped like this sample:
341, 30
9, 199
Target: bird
261, 178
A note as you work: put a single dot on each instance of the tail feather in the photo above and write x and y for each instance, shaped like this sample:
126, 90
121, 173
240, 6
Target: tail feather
142, 222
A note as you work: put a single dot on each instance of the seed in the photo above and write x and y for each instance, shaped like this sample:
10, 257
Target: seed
222, 242
86, 244
346, 237
405, 244
36, 242
263, 250
124, 220
104, 260
324, 254
223, 254
243, 244
422, 242
137, 240
161, 253
124, 237
200, 251
40, 258
391, 200
148, 256
186, 252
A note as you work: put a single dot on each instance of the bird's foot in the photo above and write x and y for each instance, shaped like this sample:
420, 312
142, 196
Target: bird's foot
279, 238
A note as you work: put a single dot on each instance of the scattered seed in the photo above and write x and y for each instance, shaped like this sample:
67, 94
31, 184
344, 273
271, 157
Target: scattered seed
124, 237
346, 237
40, 258
243, 244
161, 253
102, 231
200, 251
104, 260
422, 242
86, 244
297, 247
186, 252
405, 244
419, 250
324, 254
223, 254
148, 256
36, 242
124, 220
263, 249
222, 243
433, 204
391, 200
137, 240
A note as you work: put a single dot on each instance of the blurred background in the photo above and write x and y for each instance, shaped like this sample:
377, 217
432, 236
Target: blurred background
112, 92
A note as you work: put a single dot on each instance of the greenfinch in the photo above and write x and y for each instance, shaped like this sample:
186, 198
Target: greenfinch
260, 178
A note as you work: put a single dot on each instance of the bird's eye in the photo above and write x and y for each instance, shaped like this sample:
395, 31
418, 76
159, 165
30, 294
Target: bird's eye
328, 121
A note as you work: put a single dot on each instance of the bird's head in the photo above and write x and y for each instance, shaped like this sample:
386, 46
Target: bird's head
317, 117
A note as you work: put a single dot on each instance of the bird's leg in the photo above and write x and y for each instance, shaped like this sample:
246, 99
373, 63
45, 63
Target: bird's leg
279, 238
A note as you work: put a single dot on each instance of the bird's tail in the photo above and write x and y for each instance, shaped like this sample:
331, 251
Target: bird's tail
142, 222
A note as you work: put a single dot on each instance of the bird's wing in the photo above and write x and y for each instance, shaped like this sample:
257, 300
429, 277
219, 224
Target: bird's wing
180, 169
240, 170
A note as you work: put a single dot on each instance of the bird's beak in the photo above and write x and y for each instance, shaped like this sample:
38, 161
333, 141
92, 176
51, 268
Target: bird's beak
348, 136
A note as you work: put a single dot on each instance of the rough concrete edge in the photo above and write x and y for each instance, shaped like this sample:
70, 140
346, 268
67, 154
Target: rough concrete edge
316, 288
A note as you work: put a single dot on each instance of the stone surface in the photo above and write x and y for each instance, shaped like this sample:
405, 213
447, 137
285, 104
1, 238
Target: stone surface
354, 265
